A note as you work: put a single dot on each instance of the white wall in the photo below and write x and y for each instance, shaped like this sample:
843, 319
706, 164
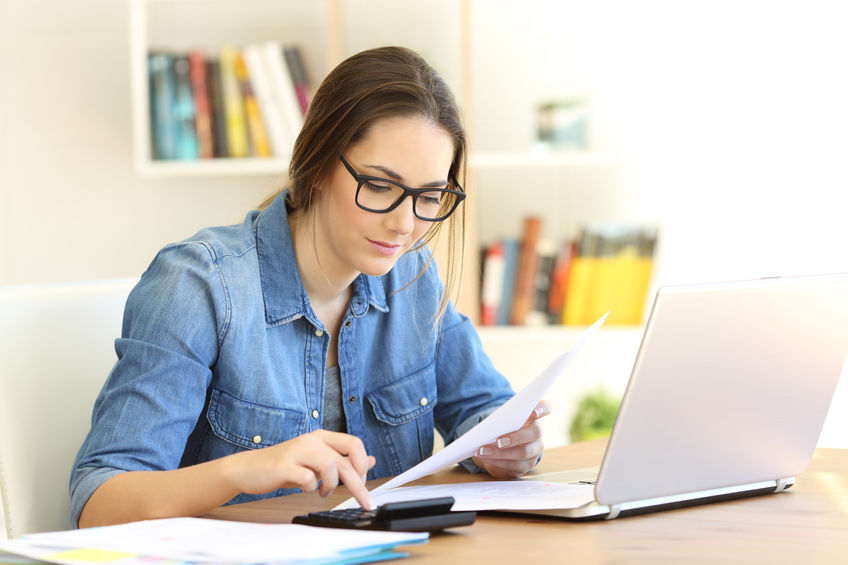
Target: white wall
71, 207
735, 112
730, 115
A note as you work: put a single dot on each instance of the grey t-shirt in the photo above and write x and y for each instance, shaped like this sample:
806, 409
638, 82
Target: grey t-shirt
334, 417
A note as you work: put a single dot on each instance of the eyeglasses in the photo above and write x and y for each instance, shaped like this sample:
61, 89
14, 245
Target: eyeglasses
380, 195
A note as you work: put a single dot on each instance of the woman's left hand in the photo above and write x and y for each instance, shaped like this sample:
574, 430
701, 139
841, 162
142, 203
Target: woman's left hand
515, 453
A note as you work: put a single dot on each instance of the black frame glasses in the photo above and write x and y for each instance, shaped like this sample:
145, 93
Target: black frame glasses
459, 195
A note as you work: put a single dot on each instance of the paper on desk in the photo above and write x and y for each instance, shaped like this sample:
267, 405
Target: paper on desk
507, 418
198, 540
497, 495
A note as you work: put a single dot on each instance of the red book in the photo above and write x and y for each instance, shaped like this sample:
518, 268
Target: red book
203, 116
493, 276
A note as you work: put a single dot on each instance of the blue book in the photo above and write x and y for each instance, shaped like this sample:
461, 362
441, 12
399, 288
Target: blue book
184, 111
162, 92
512, 249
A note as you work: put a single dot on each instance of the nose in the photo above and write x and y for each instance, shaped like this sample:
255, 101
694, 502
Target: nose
402, 218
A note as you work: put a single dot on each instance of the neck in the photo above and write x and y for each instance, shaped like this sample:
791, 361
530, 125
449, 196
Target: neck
323, 283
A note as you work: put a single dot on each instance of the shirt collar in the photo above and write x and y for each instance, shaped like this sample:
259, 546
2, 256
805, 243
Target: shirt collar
282, 289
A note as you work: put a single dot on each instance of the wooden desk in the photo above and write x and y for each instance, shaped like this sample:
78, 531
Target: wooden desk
806, 525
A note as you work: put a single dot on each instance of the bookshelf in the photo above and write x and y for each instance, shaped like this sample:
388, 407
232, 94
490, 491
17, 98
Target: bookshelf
569, 187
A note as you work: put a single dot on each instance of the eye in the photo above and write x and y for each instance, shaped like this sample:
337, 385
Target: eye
430, 198
376, 186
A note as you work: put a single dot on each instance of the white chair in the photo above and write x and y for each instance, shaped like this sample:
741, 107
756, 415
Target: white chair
56, 350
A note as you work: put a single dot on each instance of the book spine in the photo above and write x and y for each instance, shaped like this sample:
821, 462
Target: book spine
216, 102
260, 146
300, 79
237, 140
581, 279
283, 87
493, 275
184, 111
161, 105
526, 273
511, 252
280, 139
546, 251
203, 111
559, 281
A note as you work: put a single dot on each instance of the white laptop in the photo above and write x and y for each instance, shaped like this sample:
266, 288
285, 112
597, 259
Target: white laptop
727, 398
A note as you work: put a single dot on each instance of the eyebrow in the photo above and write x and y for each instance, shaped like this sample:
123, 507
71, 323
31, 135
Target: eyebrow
397, 177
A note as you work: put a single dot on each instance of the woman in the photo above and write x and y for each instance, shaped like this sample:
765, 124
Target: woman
312, 344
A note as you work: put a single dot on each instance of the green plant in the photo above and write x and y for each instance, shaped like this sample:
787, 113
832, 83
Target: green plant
596, 412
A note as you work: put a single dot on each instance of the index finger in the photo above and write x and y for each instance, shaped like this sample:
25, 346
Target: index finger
355, 484
351, 447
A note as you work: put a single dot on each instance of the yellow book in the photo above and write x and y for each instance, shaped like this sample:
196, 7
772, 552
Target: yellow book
259, 143
579, 290
233, 104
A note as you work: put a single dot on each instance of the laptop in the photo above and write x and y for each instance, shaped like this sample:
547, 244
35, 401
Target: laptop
727, 397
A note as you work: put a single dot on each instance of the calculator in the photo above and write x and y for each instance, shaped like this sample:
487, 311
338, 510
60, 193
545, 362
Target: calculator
427, 515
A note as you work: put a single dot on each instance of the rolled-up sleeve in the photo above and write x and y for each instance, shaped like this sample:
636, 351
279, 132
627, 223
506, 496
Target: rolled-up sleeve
149, 405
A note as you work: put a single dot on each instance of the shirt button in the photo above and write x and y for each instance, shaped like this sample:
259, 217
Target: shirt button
315, 414
257, 439
352, 399
347, 324
319, 333
423, 401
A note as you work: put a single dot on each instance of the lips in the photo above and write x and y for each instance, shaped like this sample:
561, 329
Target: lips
384, 248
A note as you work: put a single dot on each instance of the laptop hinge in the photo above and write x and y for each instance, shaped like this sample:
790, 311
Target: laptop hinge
615, 510
783, 484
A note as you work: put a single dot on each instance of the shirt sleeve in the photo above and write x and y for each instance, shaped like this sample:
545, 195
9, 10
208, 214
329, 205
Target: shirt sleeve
469, 386
174, 321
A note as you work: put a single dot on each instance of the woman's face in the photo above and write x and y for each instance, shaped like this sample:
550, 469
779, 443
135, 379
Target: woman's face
410, 150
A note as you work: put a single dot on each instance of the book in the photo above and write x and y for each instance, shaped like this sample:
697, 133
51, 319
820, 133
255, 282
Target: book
581, 278
237, 140
162, 124
280, 138
559, 280
282, 87
511, 251
546, 253
258, 138
183, 111
300, 79
611, 273
525, 288
203, 110
493, 278
216, 103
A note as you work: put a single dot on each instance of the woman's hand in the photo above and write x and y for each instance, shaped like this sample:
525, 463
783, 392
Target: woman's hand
317, 460
517, 452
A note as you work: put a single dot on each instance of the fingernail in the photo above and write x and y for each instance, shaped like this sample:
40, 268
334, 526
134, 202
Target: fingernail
503, 442
485, 451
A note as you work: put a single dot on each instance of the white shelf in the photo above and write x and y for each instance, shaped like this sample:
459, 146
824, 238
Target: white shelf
213, 167
541, 159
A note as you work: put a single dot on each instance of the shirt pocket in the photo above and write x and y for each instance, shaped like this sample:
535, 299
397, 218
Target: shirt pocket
251, 426
404, 413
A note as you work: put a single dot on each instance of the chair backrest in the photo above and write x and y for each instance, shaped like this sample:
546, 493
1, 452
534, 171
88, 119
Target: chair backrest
56, 350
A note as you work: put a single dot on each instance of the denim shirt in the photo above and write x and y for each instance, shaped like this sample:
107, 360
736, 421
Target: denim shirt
221, 352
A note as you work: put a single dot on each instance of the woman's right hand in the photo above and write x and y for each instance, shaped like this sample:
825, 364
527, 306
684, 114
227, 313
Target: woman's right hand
317, 460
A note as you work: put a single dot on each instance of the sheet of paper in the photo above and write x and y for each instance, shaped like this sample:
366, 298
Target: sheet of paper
497, 495
204, 541
507, 418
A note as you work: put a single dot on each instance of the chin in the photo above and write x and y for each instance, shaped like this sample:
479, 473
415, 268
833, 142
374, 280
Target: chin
377, 268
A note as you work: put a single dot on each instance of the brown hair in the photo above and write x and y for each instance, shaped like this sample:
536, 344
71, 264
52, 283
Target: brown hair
381, 83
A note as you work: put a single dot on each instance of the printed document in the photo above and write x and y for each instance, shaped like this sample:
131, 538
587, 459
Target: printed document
507, 418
